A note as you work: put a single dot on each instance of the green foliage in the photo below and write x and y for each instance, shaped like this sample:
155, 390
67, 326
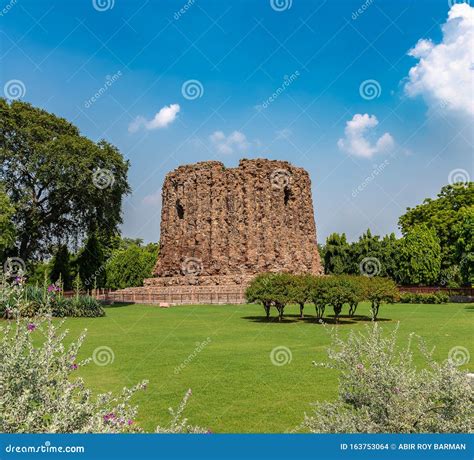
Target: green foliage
419, 256
382, 390
91, 262
49, 300
300, 287
7, 227
379, 291
48, 172
465, 245
443, 215
270, 289
61, 267
130, 265
434, 298
336, 254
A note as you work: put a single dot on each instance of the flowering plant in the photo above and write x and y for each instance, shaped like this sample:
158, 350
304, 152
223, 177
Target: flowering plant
382, 391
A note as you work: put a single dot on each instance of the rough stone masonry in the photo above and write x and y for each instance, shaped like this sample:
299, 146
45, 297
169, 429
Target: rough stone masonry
221, 226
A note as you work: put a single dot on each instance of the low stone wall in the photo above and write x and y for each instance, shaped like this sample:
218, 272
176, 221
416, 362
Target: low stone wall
178, 295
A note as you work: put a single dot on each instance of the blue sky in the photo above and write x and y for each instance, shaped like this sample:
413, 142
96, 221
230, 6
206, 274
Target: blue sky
406, 139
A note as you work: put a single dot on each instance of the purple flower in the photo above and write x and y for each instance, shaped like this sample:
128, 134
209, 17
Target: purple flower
360, 367
108, 417
31, 327
74, 366
129, 422
53, 288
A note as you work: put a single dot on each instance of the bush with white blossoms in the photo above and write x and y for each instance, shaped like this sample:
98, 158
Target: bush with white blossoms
382, 391
41, 391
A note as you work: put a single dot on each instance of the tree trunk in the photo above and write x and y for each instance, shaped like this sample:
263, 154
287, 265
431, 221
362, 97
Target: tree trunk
301, 310
267, 311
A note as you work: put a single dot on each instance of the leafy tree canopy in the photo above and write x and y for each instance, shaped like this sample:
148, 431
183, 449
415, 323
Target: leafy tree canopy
63, 184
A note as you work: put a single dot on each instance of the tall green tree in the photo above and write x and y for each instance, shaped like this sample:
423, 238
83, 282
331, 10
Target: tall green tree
7, 227
336, 255
91, 263
442, 215
63, 184
419, 257
465, 246
61, 267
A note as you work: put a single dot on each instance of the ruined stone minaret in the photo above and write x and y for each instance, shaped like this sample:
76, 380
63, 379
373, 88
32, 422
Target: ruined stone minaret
224, 225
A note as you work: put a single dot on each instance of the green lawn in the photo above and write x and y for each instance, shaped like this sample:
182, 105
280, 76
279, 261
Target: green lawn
236, 388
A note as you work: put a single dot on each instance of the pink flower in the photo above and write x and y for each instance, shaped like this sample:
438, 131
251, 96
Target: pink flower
108, 417
360, 367
31, 327
74, 366
129, 422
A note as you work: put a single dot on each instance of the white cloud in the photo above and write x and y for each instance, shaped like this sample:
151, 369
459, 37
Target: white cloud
162, 119
444, 73
228, 144
359, 137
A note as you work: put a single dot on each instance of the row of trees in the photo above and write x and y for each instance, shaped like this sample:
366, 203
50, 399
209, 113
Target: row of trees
280, 289
437, 246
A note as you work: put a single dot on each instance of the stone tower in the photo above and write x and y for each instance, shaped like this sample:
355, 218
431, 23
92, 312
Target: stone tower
221, 226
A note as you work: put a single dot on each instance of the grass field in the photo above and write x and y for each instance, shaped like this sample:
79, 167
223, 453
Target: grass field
236, 388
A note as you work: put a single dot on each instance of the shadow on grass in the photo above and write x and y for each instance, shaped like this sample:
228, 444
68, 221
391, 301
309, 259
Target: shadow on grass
117, 304
342, 320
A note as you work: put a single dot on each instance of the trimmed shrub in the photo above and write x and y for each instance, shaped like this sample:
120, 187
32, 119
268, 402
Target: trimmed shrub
300, 289
421, 298
381, 390
379, 291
